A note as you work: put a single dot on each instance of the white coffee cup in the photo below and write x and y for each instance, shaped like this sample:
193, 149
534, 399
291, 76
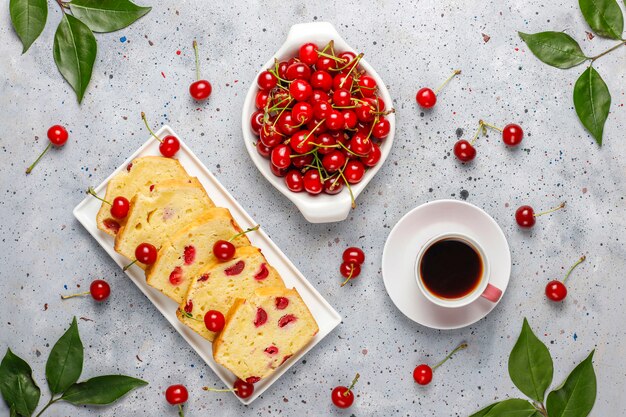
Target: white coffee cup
483, 289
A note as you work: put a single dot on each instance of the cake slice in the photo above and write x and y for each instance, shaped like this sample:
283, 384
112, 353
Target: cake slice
262, 332
157, 213
138, 176
221, 283
190, 250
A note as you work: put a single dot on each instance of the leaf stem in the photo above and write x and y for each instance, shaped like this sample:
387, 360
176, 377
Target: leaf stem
582, 258
456, 349
593, 58
52, 401
541, 408
30, 168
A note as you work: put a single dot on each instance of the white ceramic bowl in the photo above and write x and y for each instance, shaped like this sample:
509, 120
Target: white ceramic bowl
322, 208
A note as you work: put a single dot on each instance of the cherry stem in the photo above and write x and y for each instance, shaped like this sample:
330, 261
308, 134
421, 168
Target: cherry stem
145, 121
593, 58
180, 411
349, 188
129, 265
219, 390
251, 229
195, 50
330, 56
578, 262
356, 62
559, 207
91, 191
80, 294
30, 168
354, 381
447, 81
490, 125
480, 128
459, 347
349, 276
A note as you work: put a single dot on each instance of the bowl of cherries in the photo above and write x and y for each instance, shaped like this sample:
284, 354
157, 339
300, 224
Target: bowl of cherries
318, 122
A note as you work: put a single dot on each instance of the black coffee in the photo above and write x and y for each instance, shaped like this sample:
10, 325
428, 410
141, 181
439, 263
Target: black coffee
451, 268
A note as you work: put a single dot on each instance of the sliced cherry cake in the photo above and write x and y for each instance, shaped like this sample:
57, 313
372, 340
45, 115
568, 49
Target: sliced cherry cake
190, 250
139, 175
218, 286
262, 332
158, 213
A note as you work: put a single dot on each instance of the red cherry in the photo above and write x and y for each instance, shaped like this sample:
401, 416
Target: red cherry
214, 321
120, 207
364, 112
349, 119
512, 134
57, 135
302, 112
325, 64
282, 69
300, 161
169, 146
326, 140
312, 182
360, 143
321, 109
302, 141
256, 121
223, 250
176, 394
270, 135
333, 161
308, 53
373, 157
426, 98
464, 151
243, 389
319, 95
263, 150
261, 99
381, 128
342, 397
334, 120
525, 216
146, 253
298, 71
354, 171
100, 290
294, 181
286, 124
342, 80
342, 97
556, 290
300, 90
423, 374
346, 58
279, 172
200, 90
333, 185
266, 81
350, 269
353, 254
321, 80
367, 86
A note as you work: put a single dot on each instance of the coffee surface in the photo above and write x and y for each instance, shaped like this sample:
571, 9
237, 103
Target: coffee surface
451, 269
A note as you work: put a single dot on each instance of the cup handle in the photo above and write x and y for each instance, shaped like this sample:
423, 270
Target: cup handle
492, 293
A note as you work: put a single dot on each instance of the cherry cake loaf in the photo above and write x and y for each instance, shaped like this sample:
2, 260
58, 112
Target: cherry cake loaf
221, 283
262, 332
138, 176
190, 250
157, 213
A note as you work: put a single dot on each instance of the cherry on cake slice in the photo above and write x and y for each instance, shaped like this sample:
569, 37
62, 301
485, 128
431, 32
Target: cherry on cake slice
262, 332
139, 175
190, 250
218, 286
158, 213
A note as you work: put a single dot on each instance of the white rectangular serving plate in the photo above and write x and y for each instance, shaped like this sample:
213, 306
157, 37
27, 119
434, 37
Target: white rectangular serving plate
327, 318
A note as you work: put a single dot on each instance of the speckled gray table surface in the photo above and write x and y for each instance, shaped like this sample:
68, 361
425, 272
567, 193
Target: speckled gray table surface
45, 252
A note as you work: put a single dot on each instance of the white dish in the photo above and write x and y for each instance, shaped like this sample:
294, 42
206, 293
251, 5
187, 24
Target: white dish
327, 318
322, 208
413, 231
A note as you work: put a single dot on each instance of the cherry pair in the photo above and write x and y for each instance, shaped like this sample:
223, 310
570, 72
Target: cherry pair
350, 268
512, 135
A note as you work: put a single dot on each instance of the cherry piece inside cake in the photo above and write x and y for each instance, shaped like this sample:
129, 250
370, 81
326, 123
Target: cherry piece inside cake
262, 332
159, 212
139, 175
190, 251
221, 283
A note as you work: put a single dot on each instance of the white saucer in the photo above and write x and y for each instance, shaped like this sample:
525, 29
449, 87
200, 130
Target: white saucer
413, 231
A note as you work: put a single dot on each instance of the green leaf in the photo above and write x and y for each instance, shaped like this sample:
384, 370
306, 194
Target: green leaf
604, 16
65, 362
101, 389
28, 18
484, 411
530, 365
17, 386
107, 15
74, 53
592, 101
513, 407
555, 48
576, 396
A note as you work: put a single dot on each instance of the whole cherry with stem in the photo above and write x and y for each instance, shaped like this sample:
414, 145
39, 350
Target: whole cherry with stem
145, 253
525, 216
343, 397
119, 206
427, 98
350, 270
464, 150
224, 250
169, 145
241, 388
199, 89
99, 291
57, 136
214, 321
177, 395
512, 134
556, 290
423, 374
